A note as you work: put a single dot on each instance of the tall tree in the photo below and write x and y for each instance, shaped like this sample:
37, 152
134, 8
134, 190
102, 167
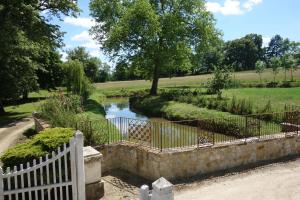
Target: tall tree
91, 64
24, 35
50, 73
260, 66
287, 62
275, 63
156, 35
277, 47
243, 53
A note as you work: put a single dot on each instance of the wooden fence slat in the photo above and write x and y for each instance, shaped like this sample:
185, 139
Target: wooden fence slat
35, 180
1, 185
73, 169
41, 178
48, 177
66, 171
22, 181
8, 182
54, 175
16, 181
60, 175
29, 180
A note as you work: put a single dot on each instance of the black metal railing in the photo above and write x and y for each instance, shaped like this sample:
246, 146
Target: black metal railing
194, 133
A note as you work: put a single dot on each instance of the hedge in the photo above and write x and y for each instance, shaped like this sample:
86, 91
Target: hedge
41, 144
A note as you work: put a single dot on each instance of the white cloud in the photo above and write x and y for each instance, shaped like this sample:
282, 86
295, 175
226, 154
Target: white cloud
84, 22
248, 5
91, 45
266, 41
232, 7
83, 36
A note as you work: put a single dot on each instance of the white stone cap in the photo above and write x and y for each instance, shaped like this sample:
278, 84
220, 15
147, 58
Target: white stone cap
90, 152
162, 186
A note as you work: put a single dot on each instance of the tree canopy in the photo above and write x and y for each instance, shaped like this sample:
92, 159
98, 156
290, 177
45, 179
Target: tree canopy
25, 35
158, 36
243, 53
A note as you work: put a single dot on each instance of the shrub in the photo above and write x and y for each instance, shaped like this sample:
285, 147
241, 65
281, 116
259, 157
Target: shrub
60, 110
41, 144
286, 84
272, 84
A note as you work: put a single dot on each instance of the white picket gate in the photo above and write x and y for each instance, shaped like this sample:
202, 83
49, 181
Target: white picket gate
60, 177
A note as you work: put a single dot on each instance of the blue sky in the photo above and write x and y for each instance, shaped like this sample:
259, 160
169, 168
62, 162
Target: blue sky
235, 18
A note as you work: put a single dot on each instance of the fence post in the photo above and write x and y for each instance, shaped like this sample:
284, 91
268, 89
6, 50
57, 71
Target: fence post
161, 142
198, 133
1, 185
80, 165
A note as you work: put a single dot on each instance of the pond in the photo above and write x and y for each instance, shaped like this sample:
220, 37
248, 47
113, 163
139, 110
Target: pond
159, 131
119, 107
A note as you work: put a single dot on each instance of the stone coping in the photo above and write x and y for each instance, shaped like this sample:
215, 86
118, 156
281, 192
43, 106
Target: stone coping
237, 142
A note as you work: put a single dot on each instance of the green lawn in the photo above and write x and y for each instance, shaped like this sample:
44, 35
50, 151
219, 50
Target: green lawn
23, 109
192, 81
260, 96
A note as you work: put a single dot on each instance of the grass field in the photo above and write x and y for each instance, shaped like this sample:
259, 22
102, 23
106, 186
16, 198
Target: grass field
246, 77
23, 109
279, 97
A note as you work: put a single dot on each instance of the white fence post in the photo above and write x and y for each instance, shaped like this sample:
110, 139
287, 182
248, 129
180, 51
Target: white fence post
80, 166
1, 185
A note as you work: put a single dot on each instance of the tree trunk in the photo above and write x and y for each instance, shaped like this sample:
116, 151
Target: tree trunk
25, 95
2, 111
285, 75
260, 78
154, 86
292, 76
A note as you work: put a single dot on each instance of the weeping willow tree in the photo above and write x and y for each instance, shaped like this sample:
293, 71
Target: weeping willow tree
76, 80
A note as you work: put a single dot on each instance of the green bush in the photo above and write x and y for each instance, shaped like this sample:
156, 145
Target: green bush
61, 110
41, 144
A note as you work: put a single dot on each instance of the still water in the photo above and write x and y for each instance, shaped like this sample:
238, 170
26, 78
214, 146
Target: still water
119, 107
163, 132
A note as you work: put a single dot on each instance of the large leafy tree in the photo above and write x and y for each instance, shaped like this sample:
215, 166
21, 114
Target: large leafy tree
277, 47
50, 72
25, 34
243, 53
159, 36
91, 64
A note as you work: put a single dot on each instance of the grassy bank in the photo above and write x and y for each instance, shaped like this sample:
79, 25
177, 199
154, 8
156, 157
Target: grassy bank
211, 120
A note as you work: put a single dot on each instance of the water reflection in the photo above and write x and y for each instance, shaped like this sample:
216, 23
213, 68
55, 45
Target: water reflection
120, 108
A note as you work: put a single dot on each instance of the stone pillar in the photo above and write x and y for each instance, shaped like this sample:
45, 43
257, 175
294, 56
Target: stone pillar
144, 193
94, 186
162, 190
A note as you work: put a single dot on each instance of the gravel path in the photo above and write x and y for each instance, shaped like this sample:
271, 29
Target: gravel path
10, 134
279, 181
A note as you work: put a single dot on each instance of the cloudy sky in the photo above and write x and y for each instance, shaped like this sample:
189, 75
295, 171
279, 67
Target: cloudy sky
235, 18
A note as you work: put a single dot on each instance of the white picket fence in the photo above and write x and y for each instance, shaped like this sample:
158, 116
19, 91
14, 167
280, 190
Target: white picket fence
60, 177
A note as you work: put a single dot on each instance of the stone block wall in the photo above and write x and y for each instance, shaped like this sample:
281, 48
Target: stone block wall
152, 164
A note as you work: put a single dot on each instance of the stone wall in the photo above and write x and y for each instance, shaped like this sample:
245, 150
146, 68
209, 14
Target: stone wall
152, 164
39, 123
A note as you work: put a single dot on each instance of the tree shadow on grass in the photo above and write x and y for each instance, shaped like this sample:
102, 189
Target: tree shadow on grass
11, 118
23, 101
94, 107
